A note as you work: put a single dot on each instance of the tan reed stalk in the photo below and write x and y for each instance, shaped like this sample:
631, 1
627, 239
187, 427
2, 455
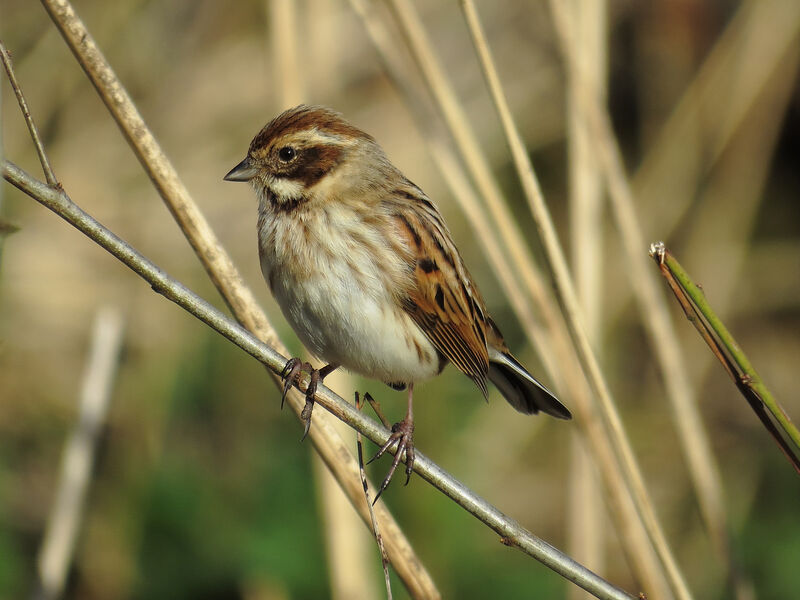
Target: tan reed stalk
571, 309
470, 150
455, 177
223, 273
637, 549
66, 514
285, 53
695, 444
588, 18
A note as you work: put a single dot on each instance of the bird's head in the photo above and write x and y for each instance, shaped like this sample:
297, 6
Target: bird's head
297, 151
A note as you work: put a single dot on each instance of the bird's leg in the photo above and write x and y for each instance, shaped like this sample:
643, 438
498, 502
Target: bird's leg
291, 376
403, 436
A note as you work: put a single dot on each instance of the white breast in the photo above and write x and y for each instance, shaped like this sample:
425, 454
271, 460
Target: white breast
331, 276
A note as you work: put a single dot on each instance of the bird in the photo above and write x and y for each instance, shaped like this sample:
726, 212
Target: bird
366, 272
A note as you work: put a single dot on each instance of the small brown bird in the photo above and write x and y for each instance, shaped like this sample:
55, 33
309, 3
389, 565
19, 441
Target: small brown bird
366, 271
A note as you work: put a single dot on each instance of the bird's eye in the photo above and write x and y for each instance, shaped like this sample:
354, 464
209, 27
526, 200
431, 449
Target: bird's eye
287, 153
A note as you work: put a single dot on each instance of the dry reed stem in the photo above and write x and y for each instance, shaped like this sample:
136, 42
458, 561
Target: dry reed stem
470, 150
455, 178
285, 51
695, 444
226, 278
569, 303
586, 520
66, 512
560, 358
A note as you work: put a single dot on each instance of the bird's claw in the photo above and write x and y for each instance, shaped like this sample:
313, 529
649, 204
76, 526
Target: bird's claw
402, 436
291, 376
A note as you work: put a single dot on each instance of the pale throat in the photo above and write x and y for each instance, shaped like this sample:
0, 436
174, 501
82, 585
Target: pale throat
283, 191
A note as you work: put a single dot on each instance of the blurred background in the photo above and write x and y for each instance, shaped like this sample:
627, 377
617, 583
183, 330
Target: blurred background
201, 488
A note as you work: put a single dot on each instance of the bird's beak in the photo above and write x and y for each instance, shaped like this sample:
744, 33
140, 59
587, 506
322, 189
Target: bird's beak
244, 171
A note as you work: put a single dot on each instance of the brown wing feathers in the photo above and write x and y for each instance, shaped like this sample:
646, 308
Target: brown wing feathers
440, 303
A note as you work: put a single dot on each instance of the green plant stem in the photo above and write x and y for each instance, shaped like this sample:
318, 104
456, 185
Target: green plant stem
745, 374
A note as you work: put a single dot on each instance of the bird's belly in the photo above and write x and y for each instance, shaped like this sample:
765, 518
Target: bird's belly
353, 322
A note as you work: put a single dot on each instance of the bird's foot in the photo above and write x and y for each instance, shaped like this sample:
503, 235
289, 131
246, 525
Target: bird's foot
402, 436
291, 376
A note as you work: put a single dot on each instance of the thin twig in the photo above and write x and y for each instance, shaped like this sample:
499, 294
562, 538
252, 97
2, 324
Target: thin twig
49, 175
336, 455
375, 531
508, 529
55, 555
569, 302
378, 412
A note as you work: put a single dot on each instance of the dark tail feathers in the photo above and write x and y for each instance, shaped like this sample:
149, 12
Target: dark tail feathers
521, 389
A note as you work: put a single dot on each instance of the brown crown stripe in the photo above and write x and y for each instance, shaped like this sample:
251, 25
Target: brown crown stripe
304, 117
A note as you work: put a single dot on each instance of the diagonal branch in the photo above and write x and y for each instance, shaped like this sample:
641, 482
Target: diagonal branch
511, 532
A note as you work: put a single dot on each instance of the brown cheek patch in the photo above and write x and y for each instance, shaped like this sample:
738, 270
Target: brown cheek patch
312, 164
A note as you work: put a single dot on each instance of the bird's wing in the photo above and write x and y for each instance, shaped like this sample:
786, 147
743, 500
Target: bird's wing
441, 299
